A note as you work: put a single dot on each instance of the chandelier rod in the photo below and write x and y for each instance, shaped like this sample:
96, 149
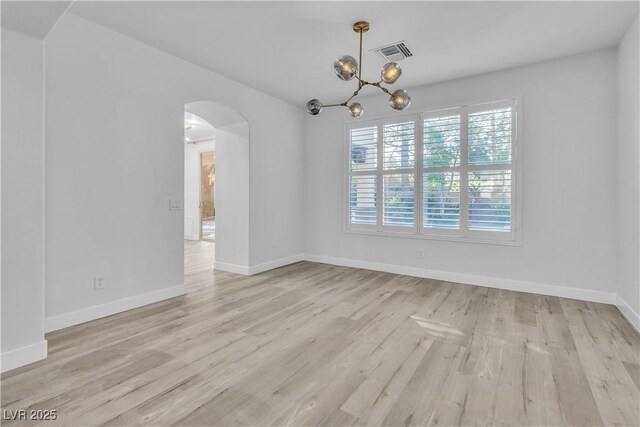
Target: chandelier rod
360, 61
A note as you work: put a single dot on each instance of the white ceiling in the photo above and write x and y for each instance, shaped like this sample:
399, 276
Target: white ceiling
33, 18
197, 129
217, 114
287, 48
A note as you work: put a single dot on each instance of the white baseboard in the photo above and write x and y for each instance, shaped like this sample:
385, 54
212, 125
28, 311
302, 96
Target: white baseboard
628, 312
65, 320
23, 356
470, 279
270, 265
258, 268
231, 268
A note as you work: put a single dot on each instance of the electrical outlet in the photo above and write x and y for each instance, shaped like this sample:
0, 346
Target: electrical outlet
98, 283
420, 253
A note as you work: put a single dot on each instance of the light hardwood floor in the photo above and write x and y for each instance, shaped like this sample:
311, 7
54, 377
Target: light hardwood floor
314, 344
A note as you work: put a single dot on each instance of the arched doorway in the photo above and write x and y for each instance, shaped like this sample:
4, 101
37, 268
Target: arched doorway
216, 195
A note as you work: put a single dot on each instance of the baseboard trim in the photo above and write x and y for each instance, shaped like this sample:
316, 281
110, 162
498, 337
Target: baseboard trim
628, 312
23, 356
231, 268
77, 317
258, 268
470, 279
270, 265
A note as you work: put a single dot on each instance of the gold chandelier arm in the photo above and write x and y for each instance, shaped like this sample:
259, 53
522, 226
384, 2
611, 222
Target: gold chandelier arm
354, 94
379, 86
364, 83
361, 84
360, 58
345, 103
342, 104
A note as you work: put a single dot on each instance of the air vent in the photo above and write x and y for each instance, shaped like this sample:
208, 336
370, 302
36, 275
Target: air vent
393, 53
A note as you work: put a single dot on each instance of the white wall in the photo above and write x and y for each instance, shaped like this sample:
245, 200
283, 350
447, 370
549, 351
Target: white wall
192, 187
277, 185
114, 158
22, 200
232, 204
569, 236
628, 207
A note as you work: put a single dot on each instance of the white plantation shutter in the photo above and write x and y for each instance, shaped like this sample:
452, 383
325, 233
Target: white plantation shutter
490, 183
490, 200
399, 145
364, 149
362, 200
381, 193
441, 200
490, 137
399, 149
441, 142
447, 174
363, 165
399, 200
441, 172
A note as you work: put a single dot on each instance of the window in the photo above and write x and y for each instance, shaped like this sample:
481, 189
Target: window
444, 174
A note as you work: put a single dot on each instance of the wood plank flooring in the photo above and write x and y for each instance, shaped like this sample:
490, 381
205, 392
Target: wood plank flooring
315, 344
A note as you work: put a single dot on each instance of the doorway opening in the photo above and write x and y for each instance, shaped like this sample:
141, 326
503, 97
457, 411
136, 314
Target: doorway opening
216, 190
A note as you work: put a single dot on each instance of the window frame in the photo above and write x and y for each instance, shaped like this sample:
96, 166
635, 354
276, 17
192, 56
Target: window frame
462, 233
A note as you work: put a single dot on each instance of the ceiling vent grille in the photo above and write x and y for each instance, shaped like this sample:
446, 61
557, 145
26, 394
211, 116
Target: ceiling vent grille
393, 53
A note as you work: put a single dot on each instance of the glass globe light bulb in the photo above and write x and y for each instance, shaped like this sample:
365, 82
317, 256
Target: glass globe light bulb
355, 109
400, 100
314, 107
390, 72
346, 67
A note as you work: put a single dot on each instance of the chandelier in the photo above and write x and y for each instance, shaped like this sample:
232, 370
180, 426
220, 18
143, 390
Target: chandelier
347, 68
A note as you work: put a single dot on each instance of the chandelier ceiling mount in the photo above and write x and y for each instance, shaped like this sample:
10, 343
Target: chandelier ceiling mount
347, 67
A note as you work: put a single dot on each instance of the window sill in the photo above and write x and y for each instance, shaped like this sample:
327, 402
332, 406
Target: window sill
413, 235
